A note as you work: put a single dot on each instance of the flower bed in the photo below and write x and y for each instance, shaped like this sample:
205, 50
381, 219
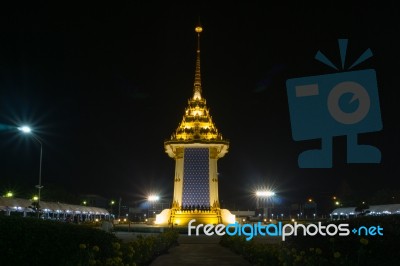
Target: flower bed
319, 250
29, 241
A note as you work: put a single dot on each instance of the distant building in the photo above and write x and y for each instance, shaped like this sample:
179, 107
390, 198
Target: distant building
373, 210
51, 210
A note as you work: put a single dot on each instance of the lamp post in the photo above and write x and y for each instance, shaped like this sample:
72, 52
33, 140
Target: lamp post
111, 205
119, 208
152, 199
28, 130
312, 205
264, 195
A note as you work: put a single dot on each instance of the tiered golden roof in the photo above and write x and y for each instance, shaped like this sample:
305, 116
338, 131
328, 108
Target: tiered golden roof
197, 124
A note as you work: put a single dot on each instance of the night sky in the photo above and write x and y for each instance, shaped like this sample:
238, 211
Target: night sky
105, 85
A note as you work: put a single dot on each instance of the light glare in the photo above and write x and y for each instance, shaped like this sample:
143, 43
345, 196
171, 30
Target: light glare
153, 198
25, 129
265, 193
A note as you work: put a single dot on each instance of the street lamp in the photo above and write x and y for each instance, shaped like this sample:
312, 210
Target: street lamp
9, 194
28, 130
152, 199
264, 195
112, 202
312, 204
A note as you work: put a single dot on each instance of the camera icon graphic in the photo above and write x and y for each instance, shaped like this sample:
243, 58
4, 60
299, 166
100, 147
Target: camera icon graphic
338, 104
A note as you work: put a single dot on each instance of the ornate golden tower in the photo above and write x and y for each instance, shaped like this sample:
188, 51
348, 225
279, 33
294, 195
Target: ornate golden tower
196, 146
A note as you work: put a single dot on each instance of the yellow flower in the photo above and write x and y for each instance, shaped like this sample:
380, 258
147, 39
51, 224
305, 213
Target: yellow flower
82, 246
96, 248
364, 241
336, 255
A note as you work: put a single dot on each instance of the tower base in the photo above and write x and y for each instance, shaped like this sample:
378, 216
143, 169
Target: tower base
178, 217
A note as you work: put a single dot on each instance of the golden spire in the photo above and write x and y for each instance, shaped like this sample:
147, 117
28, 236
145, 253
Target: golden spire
197, 74
197, 125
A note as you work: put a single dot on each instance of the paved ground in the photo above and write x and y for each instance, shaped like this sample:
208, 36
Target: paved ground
194, 250
199, 250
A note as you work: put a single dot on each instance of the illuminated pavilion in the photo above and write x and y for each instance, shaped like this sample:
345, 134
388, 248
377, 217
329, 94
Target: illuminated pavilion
196, 147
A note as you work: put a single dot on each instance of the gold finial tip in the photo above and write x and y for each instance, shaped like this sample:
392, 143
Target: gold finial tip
198, 29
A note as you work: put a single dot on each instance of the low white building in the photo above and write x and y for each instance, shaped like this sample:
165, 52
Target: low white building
373, 210
51, 210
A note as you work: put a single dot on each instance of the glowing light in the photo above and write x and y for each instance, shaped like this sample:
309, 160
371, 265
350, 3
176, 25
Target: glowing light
198, 29
35, 198
9, 194
265, 193
153, 198
337, 202
309, 200
25, 129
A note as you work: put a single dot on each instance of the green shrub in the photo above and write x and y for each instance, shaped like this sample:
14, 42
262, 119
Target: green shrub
323, 250
30, 241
